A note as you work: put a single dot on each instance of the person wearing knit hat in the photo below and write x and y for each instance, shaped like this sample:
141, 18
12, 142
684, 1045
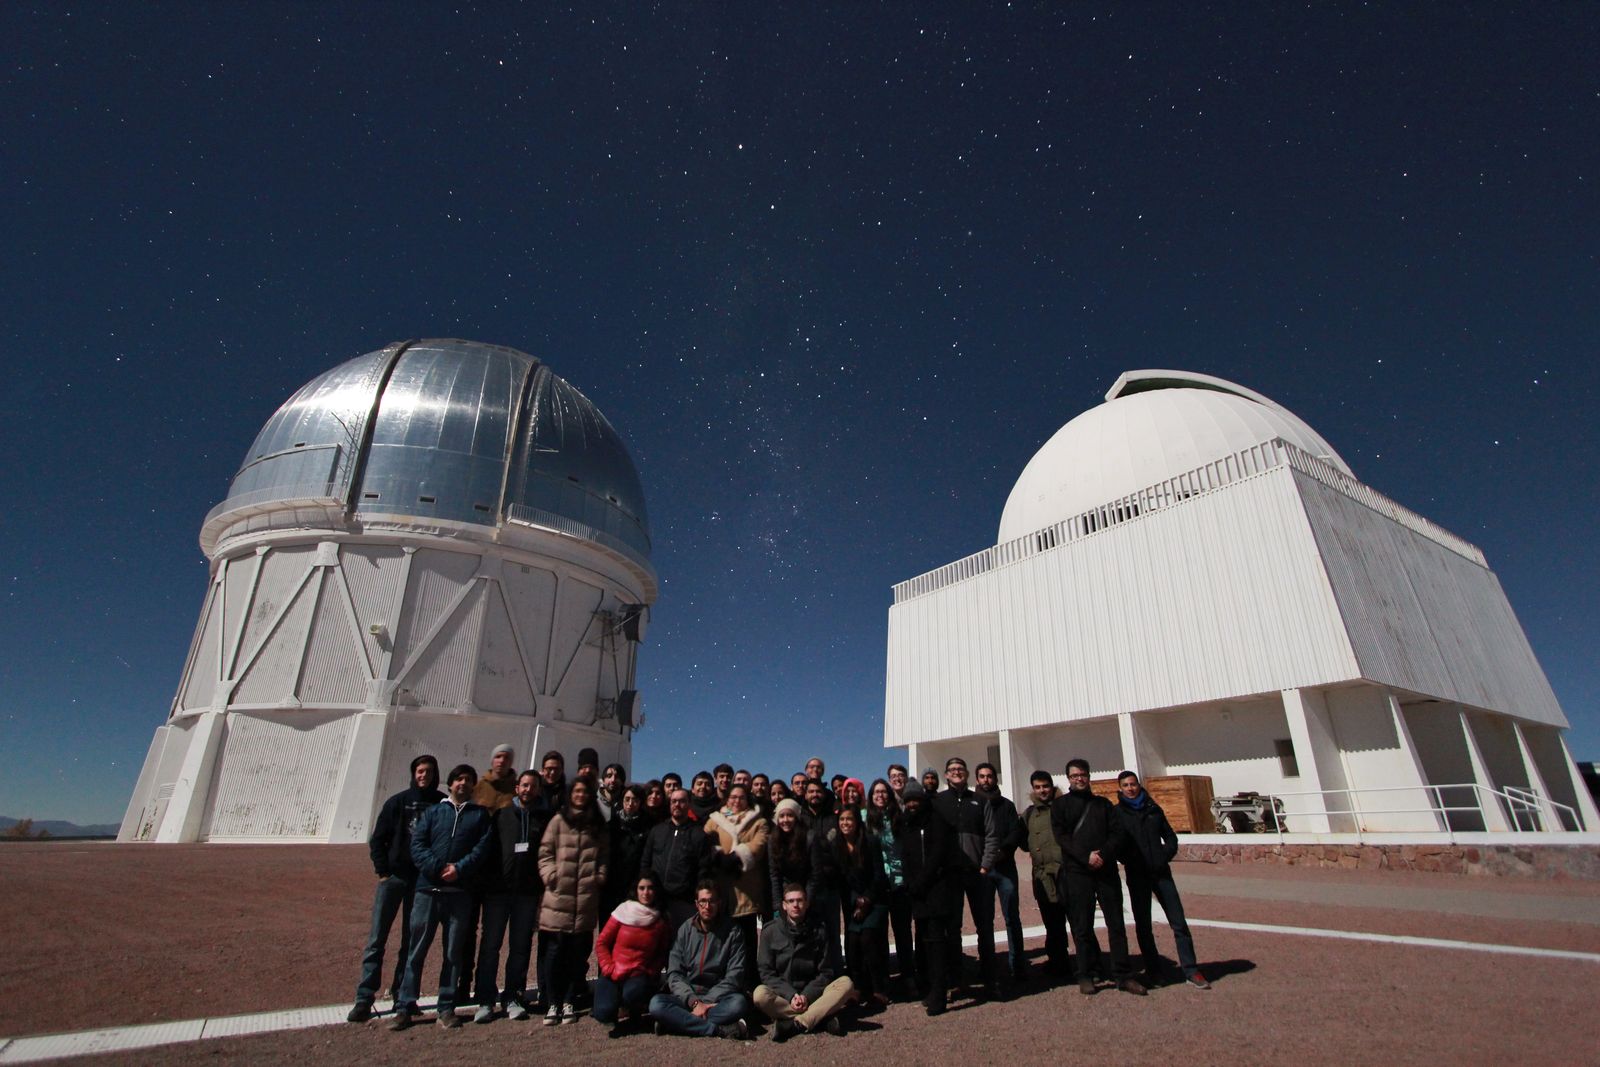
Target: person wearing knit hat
853, 793
499, 783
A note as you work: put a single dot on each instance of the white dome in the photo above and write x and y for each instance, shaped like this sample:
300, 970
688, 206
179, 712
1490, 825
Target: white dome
1155, 424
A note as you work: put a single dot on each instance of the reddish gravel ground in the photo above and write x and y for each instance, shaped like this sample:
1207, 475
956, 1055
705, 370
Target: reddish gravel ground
102, 935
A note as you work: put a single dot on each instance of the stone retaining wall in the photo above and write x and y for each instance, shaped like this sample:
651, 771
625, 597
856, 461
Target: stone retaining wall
1550, 862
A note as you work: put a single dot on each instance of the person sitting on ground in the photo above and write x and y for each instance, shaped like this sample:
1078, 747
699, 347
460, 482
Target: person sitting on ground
801, 988
631, 951
705, 974
1148, 849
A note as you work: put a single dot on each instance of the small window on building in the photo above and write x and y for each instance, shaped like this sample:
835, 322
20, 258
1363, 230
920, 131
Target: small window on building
1286, 760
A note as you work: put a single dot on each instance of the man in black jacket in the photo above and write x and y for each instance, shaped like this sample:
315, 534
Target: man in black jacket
1147, 857
1003, 875
512, 890
925, 843
390, 845
1091, 838
678, 852
976, 851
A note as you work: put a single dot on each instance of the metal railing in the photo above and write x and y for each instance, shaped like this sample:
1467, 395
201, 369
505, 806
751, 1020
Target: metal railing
1520, 810
1227, 470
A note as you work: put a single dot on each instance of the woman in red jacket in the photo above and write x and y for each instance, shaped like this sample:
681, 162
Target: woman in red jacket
632, 952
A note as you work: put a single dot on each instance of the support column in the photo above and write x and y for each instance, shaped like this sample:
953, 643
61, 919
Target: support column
1494, 816
356, 797
1317, 753
1009, 785
186, 810
1408, 748
1580, 788
1547, 811
913, 761
142, 803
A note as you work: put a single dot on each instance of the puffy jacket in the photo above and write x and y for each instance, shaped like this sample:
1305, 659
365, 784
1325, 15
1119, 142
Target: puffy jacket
449, 834
707, 963
519, 871
1086, 823
1149, 842
390, 843
797, 958
625, 950
976, 839
925, 844
742, 841
678, 855
572, 864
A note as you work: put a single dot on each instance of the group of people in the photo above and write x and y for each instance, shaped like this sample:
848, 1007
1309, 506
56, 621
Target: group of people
745, 897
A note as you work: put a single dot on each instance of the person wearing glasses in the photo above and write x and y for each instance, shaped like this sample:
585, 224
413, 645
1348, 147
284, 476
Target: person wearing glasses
1091, 838
1147, 859
705, 974
801, 988
678, 852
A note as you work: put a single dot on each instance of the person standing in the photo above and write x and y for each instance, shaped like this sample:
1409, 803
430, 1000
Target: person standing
631, 952
801, 988
864, 892
572, 865
1091, 837
883, 811
1044, 852
1147, 855
613, 780
705, 974
448, 846
627, 828
925, 844
390, 847
498, 784
739, 834
512, 900
977, 848
1003, 875
679, 854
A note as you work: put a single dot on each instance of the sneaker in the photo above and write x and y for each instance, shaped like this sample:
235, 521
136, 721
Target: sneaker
658, 1029
1086, 986
516, 1011
934, 1008
1197, 981
783, 1030
738, 1030
1131, 985
449, 1020
569, 1014
401, 1021
360, 1013
834, 1025
484, 1014
552, 1016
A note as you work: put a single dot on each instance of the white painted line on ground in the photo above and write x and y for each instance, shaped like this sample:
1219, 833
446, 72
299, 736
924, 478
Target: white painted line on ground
125, 1038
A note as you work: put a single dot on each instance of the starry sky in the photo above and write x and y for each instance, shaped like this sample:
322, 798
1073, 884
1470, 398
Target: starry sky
834, 271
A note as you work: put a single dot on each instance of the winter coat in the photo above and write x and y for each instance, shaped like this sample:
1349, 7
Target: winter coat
678, 855
702, 808
1008, 826
519, 871
1086, 823
865, 880
977, 840
495, 791
390, 843
627, 848
926, 843
634, 943
1149, 842
742, 841
707, 963
784, 866
572, 863
449, 834
797, 958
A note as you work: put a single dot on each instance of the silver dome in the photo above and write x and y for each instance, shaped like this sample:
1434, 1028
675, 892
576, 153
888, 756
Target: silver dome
445, 429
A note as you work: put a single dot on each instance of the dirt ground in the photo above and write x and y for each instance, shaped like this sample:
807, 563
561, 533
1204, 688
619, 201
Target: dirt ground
102, 935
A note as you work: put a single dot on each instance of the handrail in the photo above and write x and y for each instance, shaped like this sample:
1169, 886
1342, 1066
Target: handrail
1223, 471
1526, 807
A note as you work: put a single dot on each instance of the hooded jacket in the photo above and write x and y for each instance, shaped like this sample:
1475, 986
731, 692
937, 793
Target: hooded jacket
797, 957
449, 834
390, 843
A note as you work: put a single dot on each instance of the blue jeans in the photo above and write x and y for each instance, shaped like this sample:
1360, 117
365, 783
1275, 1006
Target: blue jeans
1005, 884
521, 913
1140, 887
631, 993
669, 1010
393, 896
430, 910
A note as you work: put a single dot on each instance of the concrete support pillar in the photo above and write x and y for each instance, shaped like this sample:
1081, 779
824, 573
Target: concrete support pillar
1317, 753
914, 761
1408, 749
1547, 811
142, 804
186, 810
1494, 816
1013, 781
1586, 806
1139, 751
357, 797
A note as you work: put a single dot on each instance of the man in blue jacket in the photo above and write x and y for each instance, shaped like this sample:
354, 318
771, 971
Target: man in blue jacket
706, 983
449, 845
390, 845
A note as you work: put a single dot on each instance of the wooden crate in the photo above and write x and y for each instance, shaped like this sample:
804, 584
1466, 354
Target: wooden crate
1186, 798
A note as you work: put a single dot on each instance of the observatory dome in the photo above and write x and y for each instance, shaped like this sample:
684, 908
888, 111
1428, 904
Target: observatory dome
447, 430
1154, 425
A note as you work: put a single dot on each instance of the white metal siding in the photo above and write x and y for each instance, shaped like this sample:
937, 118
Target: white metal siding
443, 672
1219, 596
372, 573
1422, 618
277, 775
201, 683
270, 677
502, 683
336, 669
436, 578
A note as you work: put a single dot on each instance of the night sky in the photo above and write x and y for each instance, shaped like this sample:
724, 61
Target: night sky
834, 273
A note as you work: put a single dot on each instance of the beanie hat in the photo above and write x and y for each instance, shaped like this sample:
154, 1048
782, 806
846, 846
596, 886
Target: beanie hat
498, 749
913, 791
787, 804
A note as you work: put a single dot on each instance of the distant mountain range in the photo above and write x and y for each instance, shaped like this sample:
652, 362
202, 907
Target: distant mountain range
59, 828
